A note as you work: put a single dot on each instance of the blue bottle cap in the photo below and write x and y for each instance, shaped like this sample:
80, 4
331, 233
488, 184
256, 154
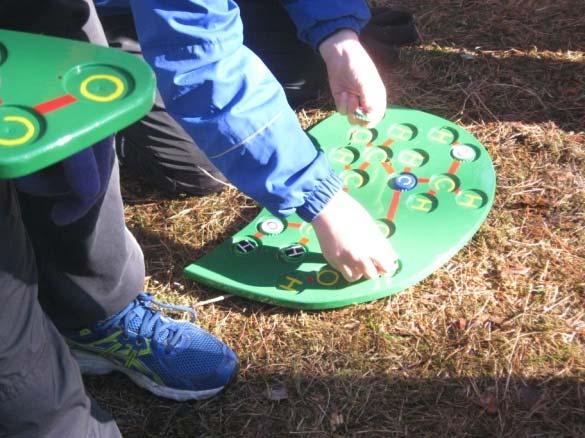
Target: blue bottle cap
405, 181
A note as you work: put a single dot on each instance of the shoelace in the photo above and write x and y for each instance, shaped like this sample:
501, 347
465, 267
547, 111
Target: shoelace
152, 321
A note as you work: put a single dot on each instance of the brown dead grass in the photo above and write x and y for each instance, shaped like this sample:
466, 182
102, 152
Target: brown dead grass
492, 344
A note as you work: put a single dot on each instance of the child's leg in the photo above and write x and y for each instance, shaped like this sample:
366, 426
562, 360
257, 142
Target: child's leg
90, 269
41, 392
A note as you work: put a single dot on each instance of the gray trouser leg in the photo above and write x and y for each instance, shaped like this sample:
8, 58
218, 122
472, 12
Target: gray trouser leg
90, 269
86, 271
41, 391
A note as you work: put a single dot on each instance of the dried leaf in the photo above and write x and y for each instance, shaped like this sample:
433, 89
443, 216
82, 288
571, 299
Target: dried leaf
489, 402
462, 324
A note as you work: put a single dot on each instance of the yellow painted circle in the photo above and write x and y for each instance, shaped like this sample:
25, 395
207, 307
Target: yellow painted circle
443, 183
96, 98
471, 199
377, 154
353, 179
386, 227
422, 202
412, 157
344, 155
360, 135
30, 131
323, 281
404, 132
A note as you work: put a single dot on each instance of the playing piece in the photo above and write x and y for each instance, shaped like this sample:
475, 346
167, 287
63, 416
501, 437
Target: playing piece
59, 96
360, 115
428, 183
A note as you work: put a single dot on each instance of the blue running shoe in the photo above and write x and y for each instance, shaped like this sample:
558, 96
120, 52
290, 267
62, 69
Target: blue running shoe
171, 359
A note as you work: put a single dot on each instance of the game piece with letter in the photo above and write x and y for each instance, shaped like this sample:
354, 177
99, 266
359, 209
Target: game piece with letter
66, 97
427, 182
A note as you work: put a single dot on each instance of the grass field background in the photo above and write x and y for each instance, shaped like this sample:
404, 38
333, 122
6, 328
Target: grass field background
492, 344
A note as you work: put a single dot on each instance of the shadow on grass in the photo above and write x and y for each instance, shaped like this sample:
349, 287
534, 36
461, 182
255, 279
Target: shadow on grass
286, 404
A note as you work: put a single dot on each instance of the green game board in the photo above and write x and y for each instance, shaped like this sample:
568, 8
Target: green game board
59, 96
429, 183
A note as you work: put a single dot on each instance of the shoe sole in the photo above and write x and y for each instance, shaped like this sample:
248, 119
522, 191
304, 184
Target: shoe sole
91, 364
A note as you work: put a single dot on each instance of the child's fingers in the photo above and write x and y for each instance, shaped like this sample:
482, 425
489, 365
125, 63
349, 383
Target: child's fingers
353, 103
341, 102
347, 273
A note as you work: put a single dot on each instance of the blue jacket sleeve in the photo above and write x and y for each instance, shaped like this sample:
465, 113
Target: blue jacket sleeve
228, 101
317, 19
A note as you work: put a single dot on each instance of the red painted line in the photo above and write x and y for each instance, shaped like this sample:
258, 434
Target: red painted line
304, 240
388, 142
345, 189
407, 169
454, 166
295, 225
364, 165
423, 180
388, 167
369, 145
259, 235
432, 192
347, 167
55, 104
393, 205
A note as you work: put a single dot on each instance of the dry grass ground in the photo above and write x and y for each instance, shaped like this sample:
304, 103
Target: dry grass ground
492, 344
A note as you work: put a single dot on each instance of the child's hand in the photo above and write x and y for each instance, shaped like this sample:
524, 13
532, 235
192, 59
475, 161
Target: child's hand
351, 241
353, 78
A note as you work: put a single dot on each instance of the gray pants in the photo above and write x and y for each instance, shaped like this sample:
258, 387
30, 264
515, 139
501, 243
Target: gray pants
80, 273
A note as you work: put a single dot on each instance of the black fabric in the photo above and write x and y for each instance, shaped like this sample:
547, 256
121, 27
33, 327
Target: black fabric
271, 34
386, 32
74, 19
157, 148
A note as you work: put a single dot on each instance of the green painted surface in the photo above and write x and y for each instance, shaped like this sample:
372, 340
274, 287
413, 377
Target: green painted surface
59, 96
427, 225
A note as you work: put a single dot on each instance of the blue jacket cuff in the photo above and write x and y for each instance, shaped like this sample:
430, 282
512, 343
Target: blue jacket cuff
317, 200
324, 30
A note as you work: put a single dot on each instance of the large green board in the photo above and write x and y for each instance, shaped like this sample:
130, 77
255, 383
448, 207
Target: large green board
59, 96
429, 183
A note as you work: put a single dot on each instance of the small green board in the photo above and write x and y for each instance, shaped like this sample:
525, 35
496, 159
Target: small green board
429, 184
59, 96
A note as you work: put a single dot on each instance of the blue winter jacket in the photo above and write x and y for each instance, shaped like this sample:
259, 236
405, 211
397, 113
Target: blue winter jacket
228, 101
